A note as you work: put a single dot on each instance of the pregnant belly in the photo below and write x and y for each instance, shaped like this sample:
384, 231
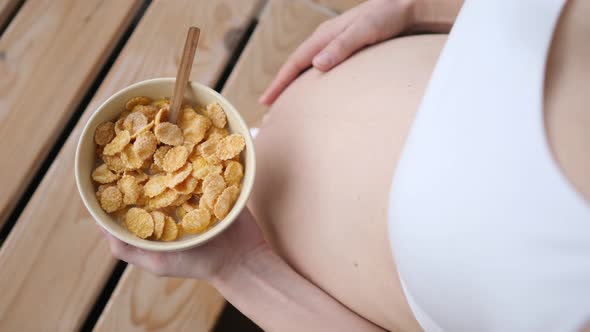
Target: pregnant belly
326, 156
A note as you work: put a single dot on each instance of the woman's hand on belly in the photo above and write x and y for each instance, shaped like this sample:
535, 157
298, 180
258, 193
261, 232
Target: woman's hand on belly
337, 39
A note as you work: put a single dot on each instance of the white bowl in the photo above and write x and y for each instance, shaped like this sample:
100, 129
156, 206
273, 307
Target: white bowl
196, 94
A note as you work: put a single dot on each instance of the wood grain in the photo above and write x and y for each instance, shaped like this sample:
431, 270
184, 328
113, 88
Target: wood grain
280, 23
144, 302
283, 25
52, 51
338, 5
55, 262
7, 7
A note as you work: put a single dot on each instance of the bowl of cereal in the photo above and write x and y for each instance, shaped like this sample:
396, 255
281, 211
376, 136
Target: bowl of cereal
159, 185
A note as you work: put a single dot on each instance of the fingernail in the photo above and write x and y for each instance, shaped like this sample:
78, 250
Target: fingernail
322, 60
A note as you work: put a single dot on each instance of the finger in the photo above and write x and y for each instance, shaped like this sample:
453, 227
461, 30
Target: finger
134, 255
120, 249
298, 61
353, 38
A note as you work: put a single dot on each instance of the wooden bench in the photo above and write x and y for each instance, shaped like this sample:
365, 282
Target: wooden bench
59, 60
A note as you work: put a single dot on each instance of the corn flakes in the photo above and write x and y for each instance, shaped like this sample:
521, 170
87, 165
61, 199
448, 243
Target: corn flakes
130, 158
201, 168
217, 133
142, 200
164, 199
161, 103
194, 126
196, 221
101, 188
216, 114
118, 143
225, 201
111, 199
175, 158
188, 207
159, 221
185, 117
99, 151
145, 145
131, 103
139, 176
156, 185
134, 122
119, 125
169, 133
187, 186
183, 169
234, 172
180, 199
230, 146
148, 110
199, 188
139, 222
190, 147
161, 116
180, 212
102, 174
155, 169
130, 189
160, 154
144, 129
146, 164
208, 150
114, 163
179, 175
213, 186
104, 133
170, 232
180, 231
213, 181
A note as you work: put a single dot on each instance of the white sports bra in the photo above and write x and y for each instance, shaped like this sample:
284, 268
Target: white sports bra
487, 233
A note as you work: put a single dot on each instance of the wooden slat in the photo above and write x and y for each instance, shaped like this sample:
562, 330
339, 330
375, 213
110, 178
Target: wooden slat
54, 262
282, 27
339, 5
7, 7
144, 302
52, 51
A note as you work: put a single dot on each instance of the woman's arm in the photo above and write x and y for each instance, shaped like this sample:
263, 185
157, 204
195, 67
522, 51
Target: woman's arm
274, 296
242, 266
435, 15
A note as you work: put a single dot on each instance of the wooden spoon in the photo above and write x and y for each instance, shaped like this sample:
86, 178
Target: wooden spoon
184, 72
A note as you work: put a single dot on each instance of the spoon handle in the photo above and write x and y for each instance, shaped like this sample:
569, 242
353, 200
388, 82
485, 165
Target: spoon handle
184, 71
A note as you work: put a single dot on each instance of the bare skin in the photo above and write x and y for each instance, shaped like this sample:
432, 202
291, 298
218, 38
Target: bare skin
328, 152
323, 203
567, 114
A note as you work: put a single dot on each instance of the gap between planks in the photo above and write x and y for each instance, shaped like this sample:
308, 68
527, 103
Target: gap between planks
113, 280
76, 116
8, 11
52, 58
46, 259
30, 189
259, 61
